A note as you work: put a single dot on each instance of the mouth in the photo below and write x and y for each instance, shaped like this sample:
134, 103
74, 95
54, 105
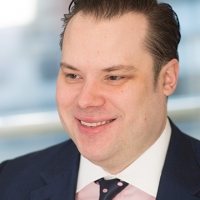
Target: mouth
96, 124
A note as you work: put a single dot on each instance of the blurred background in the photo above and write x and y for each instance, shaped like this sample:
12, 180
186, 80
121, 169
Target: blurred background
29, 64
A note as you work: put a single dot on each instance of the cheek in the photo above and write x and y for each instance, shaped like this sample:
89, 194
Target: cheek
65, 94
64, 102
135, 103
129, 99
61, 97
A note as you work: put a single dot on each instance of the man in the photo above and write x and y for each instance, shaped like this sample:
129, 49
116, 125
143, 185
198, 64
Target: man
119, 65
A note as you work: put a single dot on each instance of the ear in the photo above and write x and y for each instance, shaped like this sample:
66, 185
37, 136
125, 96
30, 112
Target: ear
170, 77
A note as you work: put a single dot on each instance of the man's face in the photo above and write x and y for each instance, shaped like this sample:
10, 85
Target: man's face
106, 96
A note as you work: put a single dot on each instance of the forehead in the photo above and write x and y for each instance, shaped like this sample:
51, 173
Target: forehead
115, 39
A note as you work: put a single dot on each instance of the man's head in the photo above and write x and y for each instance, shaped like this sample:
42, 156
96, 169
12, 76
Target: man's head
106, 94
163, 25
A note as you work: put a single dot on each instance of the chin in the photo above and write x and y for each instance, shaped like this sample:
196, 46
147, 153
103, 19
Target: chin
93, 155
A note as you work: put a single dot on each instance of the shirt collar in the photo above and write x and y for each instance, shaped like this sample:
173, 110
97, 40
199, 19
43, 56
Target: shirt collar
144, 173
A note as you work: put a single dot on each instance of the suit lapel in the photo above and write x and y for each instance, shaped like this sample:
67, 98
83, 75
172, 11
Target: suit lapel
60, 177
180, 178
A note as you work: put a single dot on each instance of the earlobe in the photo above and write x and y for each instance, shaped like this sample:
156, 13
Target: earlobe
170, 77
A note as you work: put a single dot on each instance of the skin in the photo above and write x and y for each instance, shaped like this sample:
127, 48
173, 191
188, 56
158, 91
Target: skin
106, 74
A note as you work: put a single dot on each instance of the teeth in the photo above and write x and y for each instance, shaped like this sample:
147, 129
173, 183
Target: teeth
95, 124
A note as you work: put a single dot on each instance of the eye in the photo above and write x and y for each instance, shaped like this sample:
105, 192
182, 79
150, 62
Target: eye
72, 76
115, 78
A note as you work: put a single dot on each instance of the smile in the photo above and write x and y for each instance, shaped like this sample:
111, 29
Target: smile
96, 124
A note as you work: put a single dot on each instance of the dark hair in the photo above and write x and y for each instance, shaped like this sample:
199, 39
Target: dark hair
163, 25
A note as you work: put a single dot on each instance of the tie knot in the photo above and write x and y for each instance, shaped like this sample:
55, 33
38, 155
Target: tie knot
110, 188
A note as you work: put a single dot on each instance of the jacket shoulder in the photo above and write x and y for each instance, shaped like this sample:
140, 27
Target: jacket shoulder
45, 155
21, 175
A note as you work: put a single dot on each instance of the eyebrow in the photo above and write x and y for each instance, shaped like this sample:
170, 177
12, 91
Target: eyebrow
126, 68
66, 65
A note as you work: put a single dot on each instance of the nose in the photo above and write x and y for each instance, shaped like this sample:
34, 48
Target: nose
90, 96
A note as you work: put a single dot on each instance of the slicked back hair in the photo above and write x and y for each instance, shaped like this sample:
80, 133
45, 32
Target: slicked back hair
163, 34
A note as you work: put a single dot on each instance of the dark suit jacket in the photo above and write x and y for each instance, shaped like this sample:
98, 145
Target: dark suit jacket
51, 174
